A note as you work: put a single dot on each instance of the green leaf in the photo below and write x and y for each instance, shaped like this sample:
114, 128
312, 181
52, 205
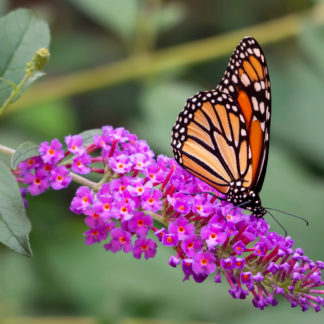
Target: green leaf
21, 35
14, 224
119, 16
88, 135
24, 152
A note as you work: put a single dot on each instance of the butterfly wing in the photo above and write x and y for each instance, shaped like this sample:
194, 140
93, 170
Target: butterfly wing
210, 140
246, 80
222, 136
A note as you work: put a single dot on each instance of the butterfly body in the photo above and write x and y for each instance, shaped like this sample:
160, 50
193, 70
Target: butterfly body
222, 136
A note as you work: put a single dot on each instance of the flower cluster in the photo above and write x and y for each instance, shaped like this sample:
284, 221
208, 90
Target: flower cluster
210, 236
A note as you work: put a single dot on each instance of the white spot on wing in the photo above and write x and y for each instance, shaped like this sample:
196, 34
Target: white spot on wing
257, 52
257, 86
255, 103
245, 80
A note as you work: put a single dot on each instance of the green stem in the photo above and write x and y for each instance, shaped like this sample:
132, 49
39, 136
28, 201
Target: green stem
83, 181
171, 58
157, 217
15, 91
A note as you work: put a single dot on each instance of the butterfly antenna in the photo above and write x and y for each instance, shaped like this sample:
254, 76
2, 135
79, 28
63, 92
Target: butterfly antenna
289, 214
276, 220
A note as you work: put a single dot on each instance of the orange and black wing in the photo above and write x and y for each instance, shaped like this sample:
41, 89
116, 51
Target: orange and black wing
222, 136
246, 80
210, 140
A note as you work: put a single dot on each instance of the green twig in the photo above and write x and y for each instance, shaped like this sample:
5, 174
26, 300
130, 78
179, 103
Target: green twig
14, 93
40, 59
161, 219
7, 150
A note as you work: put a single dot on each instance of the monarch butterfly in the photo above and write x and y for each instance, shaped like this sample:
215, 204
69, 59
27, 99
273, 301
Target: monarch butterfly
222, 136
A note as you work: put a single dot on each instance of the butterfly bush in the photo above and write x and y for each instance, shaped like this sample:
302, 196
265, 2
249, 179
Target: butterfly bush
142, 201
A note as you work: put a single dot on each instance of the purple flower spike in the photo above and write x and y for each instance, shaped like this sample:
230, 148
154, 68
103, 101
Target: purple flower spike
209, 235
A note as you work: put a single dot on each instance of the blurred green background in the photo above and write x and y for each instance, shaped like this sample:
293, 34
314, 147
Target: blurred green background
133, 63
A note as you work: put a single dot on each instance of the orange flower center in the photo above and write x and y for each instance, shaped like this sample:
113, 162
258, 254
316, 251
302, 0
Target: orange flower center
151, 200
140, 222
144, 247
181, 229
59, 178
85, 199
106, 207
190, 245
95, 233
204, 261
31, 162
199, 208
122, 240
73, 147
37, 181
213, 236
95, 215
47, 168
169, 239
51, 151
124, 209
120, 165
